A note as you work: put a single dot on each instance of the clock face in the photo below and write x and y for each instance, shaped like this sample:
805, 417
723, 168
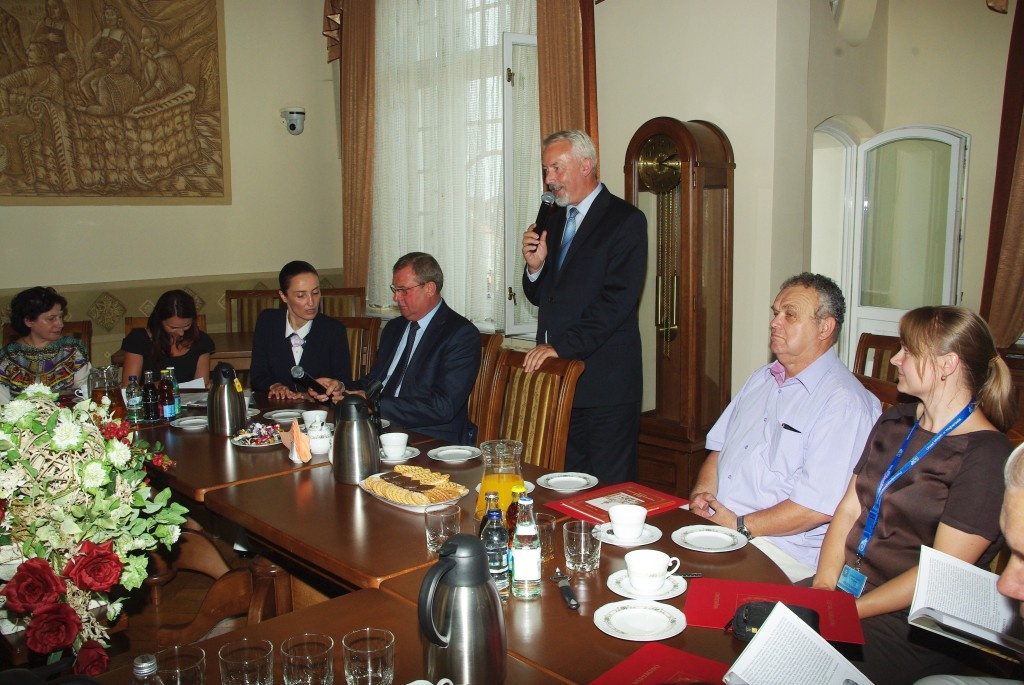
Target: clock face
658, 165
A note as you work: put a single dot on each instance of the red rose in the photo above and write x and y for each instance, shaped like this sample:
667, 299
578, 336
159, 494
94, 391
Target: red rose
34, 585
95, 567
53, 627
3, 509
92, 659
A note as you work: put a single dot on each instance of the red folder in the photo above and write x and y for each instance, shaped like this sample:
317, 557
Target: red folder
593, 505
656, 663
711, 603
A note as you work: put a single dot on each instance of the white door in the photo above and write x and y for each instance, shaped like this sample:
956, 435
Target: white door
906, 245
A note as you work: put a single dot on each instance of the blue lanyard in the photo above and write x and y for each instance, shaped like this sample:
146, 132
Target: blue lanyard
888, 478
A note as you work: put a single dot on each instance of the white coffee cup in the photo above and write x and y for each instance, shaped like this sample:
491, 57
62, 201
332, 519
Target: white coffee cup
314, 417
442, 681
648, 569
394, 444
627, 520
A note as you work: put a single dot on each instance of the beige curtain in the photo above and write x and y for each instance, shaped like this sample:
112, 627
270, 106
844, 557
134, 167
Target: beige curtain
1002, 300
565, 59
357, 116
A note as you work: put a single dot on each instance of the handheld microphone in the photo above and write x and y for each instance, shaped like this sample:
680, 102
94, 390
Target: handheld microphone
547, 201
373, 389
299, 374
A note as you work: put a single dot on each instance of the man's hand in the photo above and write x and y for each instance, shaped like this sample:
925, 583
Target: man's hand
710, 508
536, 357
334, 388
700, 504
535, 248
278, 391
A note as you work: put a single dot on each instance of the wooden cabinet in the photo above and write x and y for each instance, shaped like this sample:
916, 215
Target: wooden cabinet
681, 175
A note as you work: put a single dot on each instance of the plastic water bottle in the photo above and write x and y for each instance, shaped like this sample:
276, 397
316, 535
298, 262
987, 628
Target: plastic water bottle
133, 400
526, 553
144, 671
495, 539
176, 389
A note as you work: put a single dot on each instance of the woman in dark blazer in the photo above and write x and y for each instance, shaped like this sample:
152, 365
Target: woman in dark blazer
297, 335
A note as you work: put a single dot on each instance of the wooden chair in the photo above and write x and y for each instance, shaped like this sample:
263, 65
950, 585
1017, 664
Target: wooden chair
532, 407
260, 591
339, 302
75, 329
363, 333
490, 344
241, 307
131, 322
882, 348
886, 391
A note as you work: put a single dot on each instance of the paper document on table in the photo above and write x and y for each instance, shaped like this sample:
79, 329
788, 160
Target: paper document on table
786, 650
961, 602
194, 384
193, 399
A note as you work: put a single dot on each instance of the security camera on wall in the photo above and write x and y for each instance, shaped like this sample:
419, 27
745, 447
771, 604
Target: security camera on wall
294, 119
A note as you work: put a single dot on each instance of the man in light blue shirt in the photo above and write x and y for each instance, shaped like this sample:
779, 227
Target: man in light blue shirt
782, 453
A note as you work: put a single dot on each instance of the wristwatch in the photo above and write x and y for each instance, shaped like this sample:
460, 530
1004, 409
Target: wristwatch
742, 528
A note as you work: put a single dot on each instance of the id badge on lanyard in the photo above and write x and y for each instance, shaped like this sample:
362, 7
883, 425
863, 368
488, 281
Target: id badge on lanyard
851, 579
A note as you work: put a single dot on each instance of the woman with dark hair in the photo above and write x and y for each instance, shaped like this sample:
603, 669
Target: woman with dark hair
170, 338
930, 474
297, 335
42, 354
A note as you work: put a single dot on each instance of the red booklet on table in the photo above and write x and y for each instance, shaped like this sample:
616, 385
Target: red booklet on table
656, 663
593, 505
711, 603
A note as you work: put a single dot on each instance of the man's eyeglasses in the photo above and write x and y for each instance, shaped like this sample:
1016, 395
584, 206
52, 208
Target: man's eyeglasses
403, 291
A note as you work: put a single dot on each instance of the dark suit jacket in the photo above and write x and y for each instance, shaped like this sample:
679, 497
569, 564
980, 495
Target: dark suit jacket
325, 354
588, 308
435, 390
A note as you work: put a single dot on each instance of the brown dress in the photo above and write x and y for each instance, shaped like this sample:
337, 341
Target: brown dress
959, 483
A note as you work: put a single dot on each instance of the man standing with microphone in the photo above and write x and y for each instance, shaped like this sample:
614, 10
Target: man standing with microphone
585, 268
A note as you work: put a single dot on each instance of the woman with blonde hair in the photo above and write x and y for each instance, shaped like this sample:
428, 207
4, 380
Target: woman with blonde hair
930, 474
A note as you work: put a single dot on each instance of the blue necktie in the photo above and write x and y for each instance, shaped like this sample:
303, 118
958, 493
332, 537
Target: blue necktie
567, 235
391, 389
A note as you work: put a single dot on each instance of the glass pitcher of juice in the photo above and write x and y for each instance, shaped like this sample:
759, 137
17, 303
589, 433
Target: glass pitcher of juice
501, 472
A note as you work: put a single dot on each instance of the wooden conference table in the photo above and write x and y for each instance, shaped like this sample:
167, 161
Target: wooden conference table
301, 514
335, 618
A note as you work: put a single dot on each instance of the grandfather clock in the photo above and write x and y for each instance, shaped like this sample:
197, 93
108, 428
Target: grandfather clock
681, 175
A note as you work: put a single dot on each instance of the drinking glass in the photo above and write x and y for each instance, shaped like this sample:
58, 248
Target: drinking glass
308, 659
247, 662
546, 532
582, 549
369, 656
441, 522
181, 665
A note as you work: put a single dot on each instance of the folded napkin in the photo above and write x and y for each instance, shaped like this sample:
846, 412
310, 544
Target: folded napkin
297, 443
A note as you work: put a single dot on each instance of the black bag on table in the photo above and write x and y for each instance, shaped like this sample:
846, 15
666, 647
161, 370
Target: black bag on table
749, 618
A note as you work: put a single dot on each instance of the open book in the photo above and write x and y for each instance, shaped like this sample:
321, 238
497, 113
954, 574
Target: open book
786, 651
958, 600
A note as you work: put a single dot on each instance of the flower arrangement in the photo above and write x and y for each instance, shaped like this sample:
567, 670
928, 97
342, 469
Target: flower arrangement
76, 519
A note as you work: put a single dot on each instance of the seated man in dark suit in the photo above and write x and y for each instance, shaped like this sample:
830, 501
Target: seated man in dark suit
426, 390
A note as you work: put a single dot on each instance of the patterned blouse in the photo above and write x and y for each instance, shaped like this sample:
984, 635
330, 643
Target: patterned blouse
63, 365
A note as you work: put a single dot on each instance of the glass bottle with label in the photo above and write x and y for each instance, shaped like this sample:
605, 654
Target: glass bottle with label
495, 539
150, 398
133, 400
526, 553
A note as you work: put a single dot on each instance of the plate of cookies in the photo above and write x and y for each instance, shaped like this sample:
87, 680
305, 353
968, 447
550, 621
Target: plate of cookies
414, 488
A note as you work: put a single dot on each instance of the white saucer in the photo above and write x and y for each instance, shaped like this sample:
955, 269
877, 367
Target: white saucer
703, 538
528, 484
454, 454
673, 586
649, 534
283, 415
410, 452
639, 620
567, 481
191, 423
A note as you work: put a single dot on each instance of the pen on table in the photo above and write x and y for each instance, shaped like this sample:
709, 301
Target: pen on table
788, 427
690, 575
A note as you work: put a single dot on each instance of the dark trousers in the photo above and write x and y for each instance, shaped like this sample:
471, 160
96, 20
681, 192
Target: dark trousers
603, 442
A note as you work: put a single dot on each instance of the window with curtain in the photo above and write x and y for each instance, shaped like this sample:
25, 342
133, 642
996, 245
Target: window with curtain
439, 146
